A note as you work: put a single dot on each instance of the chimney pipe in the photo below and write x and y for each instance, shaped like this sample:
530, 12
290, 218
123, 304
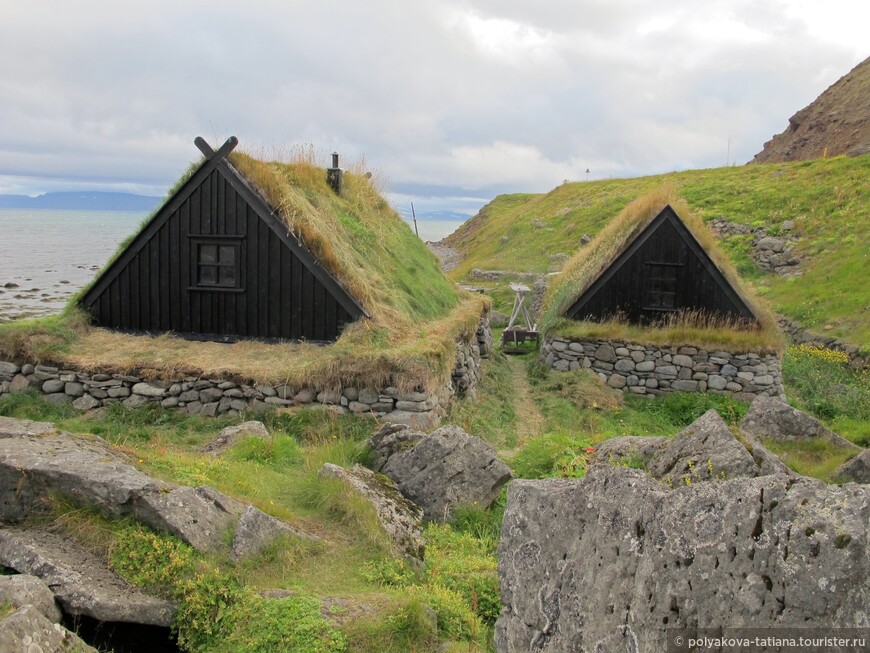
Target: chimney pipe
333, 175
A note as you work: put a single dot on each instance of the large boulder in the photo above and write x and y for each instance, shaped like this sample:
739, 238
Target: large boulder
707, 449
856, 470
769, 417
81, 583
232, 434
628, 450
610, 561
28, 630
442, 470
87, 470
400, 519
11, 427
24, 589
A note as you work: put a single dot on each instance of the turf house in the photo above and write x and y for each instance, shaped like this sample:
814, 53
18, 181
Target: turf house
262, 282
216, 262
652, 305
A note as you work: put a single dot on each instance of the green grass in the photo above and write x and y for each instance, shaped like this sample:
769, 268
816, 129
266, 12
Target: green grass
816, 458
818, 381
220, 611
491, 415
829, 200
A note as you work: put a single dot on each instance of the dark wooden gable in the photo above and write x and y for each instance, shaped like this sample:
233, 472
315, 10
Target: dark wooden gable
661, 271
216, 263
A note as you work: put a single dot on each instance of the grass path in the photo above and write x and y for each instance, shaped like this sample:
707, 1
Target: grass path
530, 421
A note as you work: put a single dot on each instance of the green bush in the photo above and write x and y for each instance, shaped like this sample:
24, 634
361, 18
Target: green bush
552, 454
289, 624
278, 451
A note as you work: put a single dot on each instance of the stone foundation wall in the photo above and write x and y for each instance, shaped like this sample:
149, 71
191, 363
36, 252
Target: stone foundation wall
799, 335
214, 396
648, 370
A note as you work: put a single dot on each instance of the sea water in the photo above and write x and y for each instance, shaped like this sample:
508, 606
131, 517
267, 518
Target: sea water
48, 255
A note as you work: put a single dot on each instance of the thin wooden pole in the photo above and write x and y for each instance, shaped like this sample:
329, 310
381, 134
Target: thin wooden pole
413, 213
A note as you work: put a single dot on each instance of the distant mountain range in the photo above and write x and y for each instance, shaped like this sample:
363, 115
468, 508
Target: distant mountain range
82, 200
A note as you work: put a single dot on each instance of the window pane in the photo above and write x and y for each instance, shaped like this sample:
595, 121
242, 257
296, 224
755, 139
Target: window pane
227, 255
208, 275
208, 254
227, 275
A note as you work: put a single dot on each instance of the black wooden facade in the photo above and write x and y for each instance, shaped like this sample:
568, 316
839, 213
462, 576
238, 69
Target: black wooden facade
663, 270
216, 263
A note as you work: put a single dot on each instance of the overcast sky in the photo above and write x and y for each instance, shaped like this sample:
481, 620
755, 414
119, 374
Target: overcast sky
452, 102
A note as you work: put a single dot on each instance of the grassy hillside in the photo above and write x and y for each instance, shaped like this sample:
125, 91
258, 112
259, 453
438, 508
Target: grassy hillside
829, 200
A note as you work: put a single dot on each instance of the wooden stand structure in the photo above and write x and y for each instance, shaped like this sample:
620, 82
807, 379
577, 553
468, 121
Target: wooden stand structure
520, 337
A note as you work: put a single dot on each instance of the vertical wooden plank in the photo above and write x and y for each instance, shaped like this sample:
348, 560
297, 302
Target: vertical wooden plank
220, 204
154, 282
185, 296
115, 302
105, 309
144, 289
124, 296
274, 286
253, 282
135, 290
307, 304
214, 217
176, 289
205, 206
263, 289
285, 298
165, 298
296, 297
229, 204
319, 309
330, 318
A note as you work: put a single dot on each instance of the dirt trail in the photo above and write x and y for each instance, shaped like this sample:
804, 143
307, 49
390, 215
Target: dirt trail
530, 421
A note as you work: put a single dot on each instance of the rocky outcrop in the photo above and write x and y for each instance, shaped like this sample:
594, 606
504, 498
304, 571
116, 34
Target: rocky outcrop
653, 370
13, 428
610, 561
24, 589
87, 470
27, 630
79, 581
769, 417
627, 450
772, 253
232, 434
256, 530
837, 122
856, 470
440, 471
400, 519
707, 449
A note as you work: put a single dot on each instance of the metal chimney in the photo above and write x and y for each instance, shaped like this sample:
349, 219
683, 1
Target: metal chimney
333, 175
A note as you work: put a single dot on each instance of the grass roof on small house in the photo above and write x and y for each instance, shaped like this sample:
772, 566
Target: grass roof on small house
415, 312
590, 261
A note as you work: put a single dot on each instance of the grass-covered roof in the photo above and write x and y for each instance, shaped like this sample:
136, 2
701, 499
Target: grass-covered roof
415, 312
590, 261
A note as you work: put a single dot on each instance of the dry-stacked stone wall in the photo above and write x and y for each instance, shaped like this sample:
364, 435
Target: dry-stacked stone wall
799, 335
217, 396
649, 370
